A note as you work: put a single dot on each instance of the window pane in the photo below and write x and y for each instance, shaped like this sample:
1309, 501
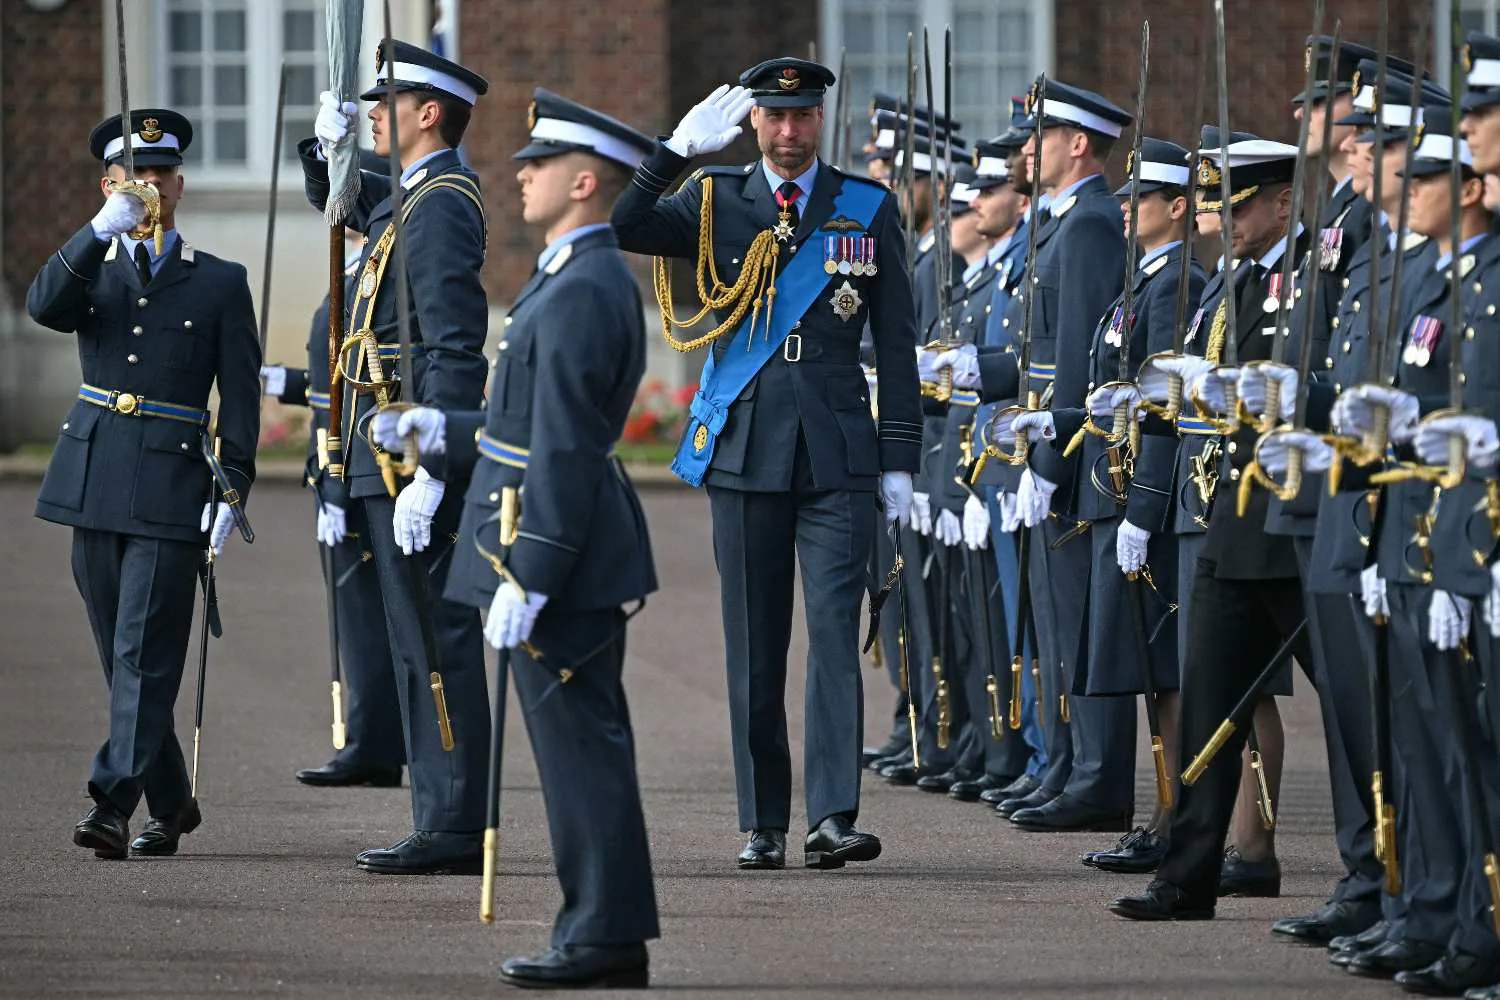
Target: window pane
185, 31
301, 85
293, 130
230, 145
969, 34
299, 30
229, 86
859, 33
186, 87
229, 31
1014, 32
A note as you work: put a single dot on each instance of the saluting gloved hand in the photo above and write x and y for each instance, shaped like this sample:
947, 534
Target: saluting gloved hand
1034, 498
1492, 602
976, 523
949, 529
1154, 375
964, 361
920, 517
1354, 411
1479, 432
1130, 547
713, 123
1252, 388
223, 525
895, 493
1010, 512
391, 428
274, 377
1317, 454
333, 122
1102, 401
332, 525
415, 505
1372, 593
1211, 388
120, 213
511, 616
1448, 619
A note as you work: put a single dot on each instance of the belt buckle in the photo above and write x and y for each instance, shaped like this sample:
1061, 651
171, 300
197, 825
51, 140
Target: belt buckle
786, 348
125, 402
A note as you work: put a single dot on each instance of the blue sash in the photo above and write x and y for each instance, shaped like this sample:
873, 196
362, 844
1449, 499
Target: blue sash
797, 286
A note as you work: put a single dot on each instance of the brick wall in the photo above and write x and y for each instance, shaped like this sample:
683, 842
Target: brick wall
49, 99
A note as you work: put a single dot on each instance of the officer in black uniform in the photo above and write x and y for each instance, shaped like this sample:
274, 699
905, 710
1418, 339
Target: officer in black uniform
444, 231
157, 331
566, 374
781, 431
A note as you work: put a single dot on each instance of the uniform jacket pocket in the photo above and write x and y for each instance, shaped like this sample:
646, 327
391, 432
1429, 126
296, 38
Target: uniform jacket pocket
171, 479
67, 473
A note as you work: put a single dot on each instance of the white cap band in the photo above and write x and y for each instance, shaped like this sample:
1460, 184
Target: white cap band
116, 146
1081, 117
1485, 73
992, 166
1440, 147
578, 134
962, 192
1399, 116
885, 139
1365, 99
921, 162
412, 73
1164, 173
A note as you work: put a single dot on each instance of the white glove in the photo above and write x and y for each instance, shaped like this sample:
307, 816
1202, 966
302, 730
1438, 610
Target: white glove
920, 514
1317, 454
391, 428
1253, 381
333, 121
1034, 498
1102, 401
1372, 593
964, 361
976, 523
1483, 445
511, 617
949, 529
120, 213
415, 505
1130, 547
713, 123
1211, 388
275, 379
1010, 512
927, 364
1492, 602
332, 525
223, 525
1036, 424
1353, 413
895, 493
1153, 375
1448, 619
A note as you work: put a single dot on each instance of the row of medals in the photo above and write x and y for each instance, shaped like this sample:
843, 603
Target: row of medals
849, 255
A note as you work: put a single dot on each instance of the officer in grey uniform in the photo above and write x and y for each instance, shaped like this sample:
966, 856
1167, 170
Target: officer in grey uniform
157, 329
781, 432
444, 230
566, 373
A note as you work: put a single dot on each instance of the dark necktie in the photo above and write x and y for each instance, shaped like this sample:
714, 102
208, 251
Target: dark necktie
786, 199
143, 264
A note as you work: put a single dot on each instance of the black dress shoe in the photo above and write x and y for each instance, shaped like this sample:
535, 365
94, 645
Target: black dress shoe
1066, 814
1483, 993
581, 967
1344, 956
1018, 789
1386, 960
1249, 879
1370, 937
1333, 920
945, 780
1139, 852
1038, 796
879, 764
1451, 975
160, 837
765, 851
1162, 901
339, 774
104, 831
905, 774
898, 744
427, 852
835, 842
974, 789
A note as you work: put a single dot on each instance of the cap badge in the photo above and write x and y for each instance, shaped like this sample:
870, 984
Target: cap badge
531, 116
1208, 174
1354, 82
789, 80
1468, 59
1030, 105
150, 130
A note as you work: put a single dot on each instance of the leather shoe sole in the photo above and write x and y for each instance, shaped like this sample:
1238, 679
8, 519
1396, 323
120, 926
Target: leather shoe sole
161, 842
450, 866
759, 863
101, 843
625, 979
369, 777
863, 849
1132, 909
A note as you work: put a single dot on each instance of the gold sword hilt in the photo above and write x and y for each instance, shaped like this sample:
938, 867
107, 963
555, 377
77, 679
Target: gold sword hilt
1015, 693
1263, 789
1163, 778
339, 733
150, 197
1210, 750
440, 700
487, 885
997, 717
1271, 418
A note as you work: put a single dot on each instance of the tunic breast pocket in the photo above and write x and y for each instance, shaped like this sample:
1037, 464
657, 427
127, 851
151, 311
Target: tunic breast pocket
67, 473
849, 400
186, 346
171, 478
514, 376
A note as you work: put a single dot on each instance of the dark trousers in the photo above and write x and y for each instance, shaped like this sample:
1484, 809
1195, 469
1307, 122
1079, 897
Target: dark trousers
954, 654
1236, 627
447, 788
759, 539
372, 711
139, 594
1005, 755
585, 757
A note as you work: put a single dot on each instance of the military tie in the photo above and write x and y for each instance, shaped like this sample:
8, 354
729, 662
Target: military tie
143, 263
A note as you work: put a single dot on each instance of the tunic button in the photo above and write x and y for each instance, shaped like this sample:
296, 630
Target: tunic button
1489, 310
1462, 378
65, 426
1005, 322
1233, 447
509, 320
1338, 387
1347, 347
1335, 322
141, 302
91, 310
1469, 333
187, 324
182, 445
1356, 305
494, 498
137, 330
1234, 474
797, 325
132, 358
504, 344
1328, 362
1346, 282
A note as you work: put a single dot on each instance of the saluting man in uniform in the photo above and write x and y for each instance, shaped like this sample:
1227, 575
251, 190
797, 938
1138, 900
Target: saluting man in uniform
444, 229
157, 331
782, 434
566, 374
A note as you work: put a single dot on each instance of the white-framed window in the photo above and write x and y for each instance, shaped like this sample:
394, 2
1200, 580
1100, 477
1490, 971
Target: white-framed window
998, 48
219, 66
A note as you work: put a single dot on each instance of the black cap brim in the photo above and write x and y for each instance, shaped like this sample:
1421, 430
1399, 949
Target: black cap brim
1319, 92
1146, 188
542, 150
1390, 135
1427, 168
148, 158
985, 183
378, 92
794, 100
1479, 100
